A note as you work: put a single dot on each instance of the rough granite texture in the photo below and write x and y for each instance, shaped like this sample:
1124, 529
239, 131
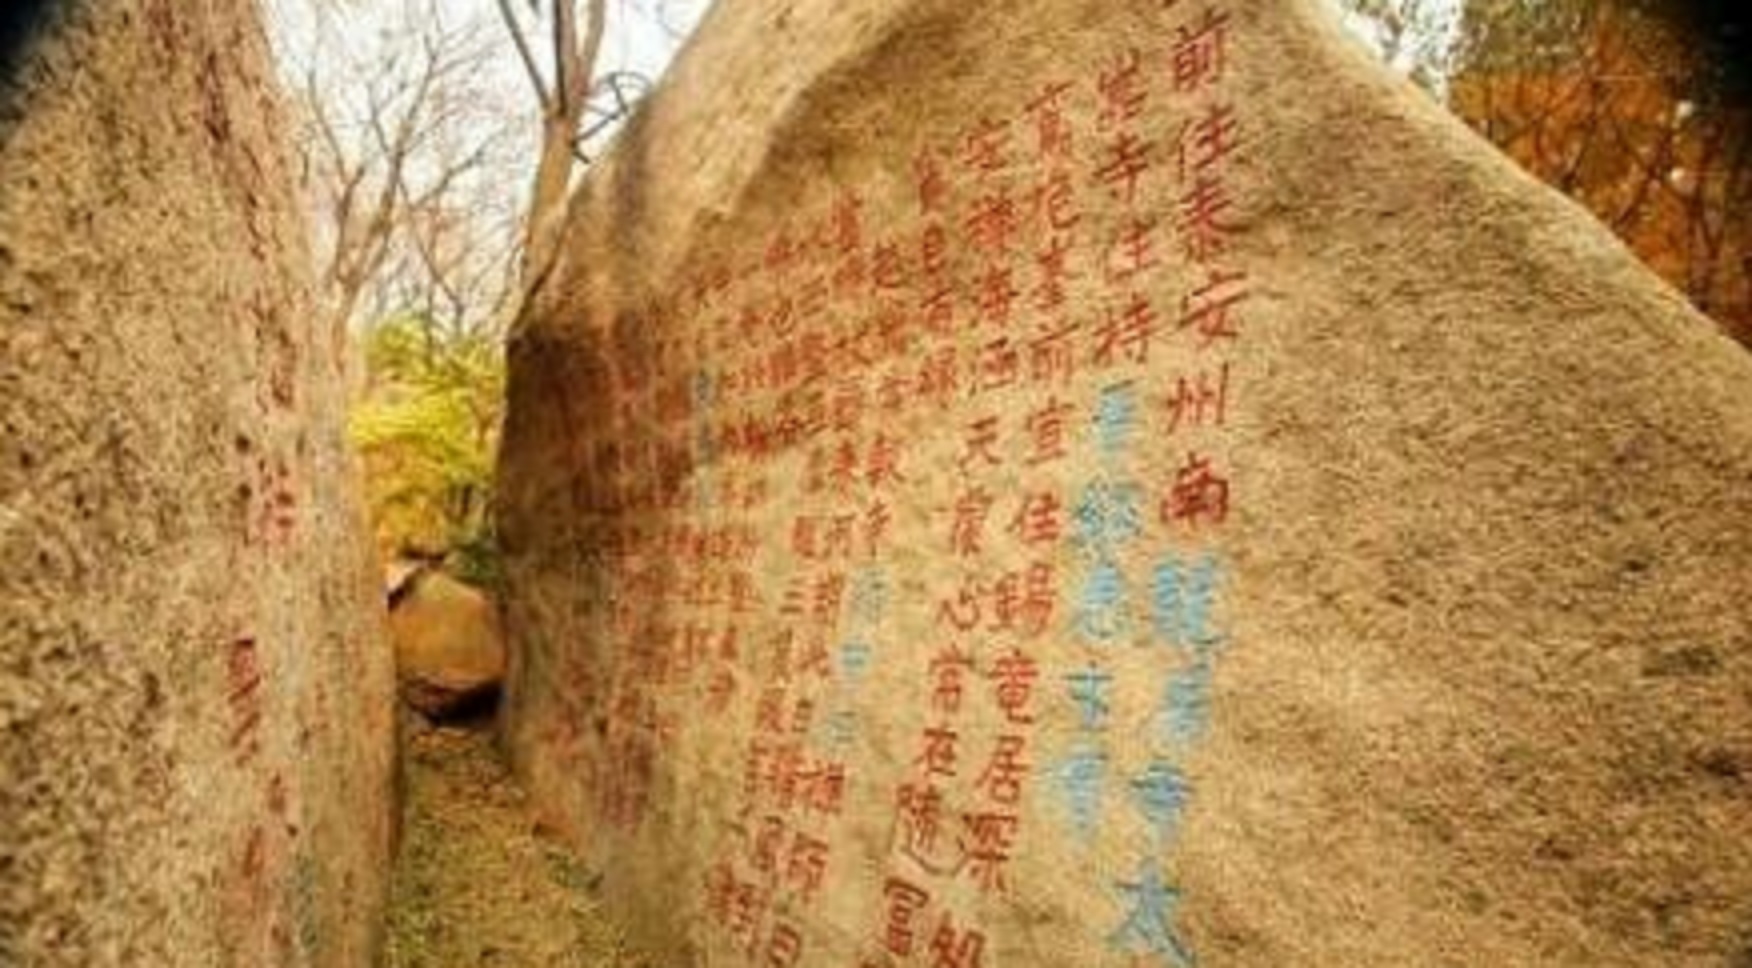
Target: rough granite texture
928, 545
449, 650
196, 695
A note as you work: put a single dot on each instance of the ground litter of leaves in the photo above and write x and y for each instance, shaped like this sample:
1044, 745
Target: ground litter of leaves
475, 884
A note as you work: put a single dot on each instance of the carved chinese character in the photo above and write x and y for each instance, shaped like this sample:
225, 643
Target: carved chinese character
847, 224
829, 594
1046, 426
842, 467
1052, 129
1122, 91
1132, 253
1149, 928
806, 865
967, 533
1185, 709
877, 519
1161, 793
1039, 597
1106, 517
1203, 229
1126, 332
1209, 309
999, 365
1198, 495
1040, 519
986, 148
992, 224
1206, 142
1080, 779
1127, 159
1013, 676
1052, 356
919, 818
996, 294
933, 186
934, 250
763, 853
948, 667
1199, 401
882, 466
1055, 201
748, 908
839, 541
1199, 56
827, 794
1184, 596
1101, 614
940, 376
953, 949
979, 445
1051, 292
937, 311
1089, 690
987, 841
784, 947
904, 903
961, 612
1115, 419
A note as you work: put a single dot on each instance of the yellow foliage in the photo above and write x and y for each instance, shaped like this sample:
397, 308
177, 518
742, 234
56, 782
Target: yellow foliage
428, 431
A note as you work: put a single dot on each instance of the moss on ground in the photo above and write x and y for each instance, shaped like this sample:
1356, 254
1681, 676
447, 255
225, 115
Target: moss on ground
475, 885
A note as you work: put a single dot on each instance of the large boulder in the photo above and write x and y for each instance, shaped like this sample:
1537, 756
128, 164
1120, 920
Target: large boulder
196, 692
449, 652
1060, 482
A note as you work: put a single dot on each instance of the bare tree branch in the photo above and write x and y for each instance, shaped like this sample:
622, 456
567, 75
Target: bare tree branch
389, 169
575, 60
523, 52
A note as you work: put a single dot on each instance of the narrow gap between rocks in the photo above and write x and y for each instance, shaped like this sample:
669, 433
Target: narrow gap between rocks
477, 883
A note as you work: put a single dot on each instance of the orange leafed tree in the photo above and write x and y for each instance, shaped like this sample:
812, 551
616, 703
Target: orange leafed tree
1627, 109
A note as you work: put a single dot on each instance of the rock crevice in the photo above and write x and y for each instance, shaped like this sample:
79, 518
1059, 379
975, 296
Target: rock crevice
1076, 484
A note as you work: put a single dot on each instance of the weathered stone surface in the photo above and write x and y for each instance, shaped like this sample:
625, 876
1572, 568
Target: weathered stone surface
449, 652
399, 576
1461, 676
196, 690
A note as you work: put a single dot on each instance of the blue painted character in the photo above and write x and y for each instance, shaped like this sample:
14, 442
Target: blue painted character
1107, 516
869, 595
705, 389
705, 442
1080, 777
1161, 793
1089, 690
1186, 704
1115, 417
854, 660
1183, 597
838, 729
1101, 613
1149, 928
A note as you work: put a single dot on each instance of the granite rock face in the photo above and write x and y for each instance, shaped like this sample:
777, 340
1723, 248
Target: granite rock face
196, 690
1055, 482
449, 651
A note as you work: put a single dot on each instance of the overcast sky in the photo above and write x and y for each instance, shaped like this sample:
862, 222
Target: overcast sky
359, 50
641, 32
352, 45
643, 36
